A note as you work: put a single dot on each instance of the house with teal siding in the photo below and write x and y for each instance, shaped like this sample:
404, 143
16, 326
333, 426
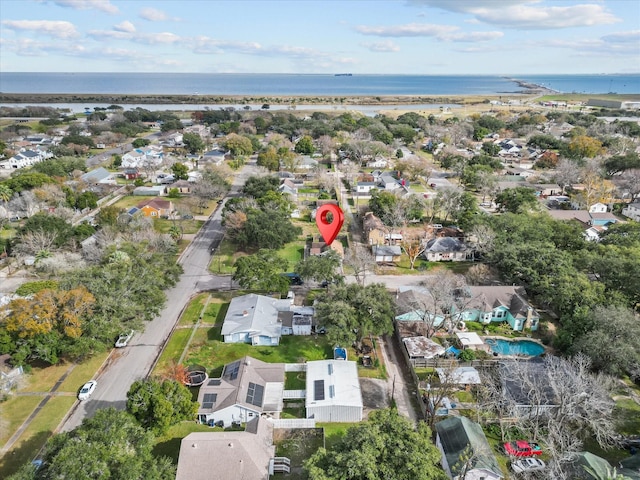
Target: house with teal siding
497, 304
488, 304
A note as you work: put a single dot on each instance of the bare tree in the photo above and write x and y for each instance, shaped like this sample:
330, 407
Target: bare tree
478, 274
481, 238
361, 260
35, 241
413, 246
630, 181
567, 173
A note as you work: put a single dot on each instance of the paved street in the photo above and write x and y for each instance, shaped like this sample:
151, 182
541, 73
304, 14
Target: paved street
126, 365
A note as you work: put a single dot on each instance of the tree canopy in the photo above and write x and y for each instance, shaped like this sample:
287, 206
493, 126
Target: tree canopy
385, 447
262, 271
111, 445
158, 404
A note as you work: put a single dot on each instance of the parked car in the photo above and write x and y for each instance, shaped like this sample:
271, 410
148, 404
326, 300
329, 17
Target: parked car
527, 465
522, 448
123, 339
294, 278
87, 389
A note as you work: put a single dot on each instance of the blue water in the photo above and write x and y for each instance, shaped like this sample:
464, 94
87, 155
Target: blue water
515, 347
289, 84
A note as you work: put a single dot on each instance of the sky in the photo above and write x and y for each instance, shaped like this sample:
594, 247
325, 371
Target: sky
436, 37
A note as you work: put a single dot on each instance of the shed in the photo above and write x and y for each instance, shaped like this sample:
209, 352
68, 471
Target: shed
471, 340
459, 376
422, 347
333, 391
386, 253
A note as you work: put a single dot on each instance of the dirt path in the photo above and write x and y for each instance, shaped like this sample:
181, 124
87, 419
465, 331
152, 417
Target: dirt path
399, 385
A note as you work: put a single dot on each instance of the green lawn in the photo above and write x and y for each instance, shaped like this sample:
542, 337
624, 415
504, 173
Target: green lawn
83, 372
174, 348
14, 412
333, 432
214, 354
42, 379
627, 415
224, 258
295, 381
293, 252
297, 446
36, 435
192, 312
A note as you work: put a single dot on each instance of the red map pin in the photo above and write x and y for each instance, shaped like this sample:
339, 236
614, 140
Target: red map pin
329, 229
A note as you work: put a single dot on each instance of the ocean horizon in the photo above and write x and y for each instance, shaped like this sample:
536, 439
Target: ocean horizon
339, 84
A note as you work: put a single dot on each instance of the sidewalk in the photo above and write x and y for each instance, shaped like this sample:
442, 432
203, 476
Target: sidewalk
16, 436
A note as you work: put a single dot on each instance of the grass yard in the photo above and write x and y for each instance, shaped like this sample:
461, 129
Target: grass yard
188, 226
36, 435
210, 352
83, 372
627, 415
192, 312
333, 432
224, 258
173, 349
293, 252
295, 381
14, 412
42, 379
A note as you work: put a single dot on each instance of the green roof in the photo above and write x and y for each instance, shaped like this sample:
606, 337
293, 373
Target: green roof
458, 433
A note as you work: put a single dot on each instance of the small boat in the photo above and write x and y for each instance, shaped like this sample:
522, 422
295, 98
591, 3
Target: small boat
344, 74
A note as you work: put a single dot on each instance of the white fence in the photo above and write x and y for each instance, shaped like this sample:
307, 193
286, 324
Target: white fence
294, 394
295, 367
293, 422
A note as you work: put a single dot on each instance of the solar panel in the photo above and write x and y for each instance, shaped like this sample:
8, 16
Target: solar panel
209, 399
255, 394
318, 390
231, 370
214, 381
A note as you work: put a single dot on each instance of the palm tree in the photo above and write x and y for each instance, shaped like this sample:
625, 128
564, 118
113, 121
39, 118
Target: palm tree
5, 193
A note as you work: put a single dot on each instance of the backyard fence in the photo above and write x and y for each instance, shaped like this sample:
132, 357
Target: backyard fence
295, 367
293, 422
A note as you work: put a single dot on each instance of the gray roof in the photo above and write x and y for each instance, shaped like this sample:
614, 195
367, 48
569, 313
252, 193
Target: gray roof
445, 244
387, 250
513, 298
253, 313
229, 455
458, 433
96, 176
520, 391
232, 388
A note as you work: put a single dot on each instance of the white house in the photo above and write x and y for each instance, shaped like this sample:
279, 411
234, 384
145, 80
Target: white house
25, 158
442, 249
364, 188
632, 211
598, 208
379, 162
247, 389
254, 319
298, 321
333, 391
151, 154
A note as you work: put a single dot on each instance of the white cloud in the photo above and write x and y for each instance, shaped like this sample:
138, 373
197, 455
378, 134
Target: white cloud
474, 36
125, 26
529, 14
132, 35
620, 44
408, 30
445, 33
102, 5
53, 28
153, 15
387, 46
206, 45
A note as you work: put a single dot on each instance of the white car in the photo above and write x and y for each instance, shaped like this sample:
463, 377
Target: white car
87, 389
527, 465
123, 339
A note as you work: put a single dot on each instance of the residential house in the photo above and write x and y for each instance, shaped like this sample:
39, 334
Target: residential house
25, 158
598, 208
509, 148
422, 347
497, 304
333, 391
388, 182
374, 230
386, 253
378, 162
297, 321
464, 448
155, 190
215, 156
155, 207
173, 140
131, 173
289, 188
446, 249
530, 394
254, 319
248, 388
461, 376
364, 188
182, 186
632, 211
305, 162
99, 176
141, 157
233, 455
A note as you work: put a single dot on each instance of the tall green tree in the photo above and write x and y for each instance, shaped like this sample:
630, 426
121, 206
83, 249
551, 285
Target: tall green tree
362, 311
305, 146
320, 267
193, 142
385, 447
180, 171
518, 199
111, 445
158, 404
262, 271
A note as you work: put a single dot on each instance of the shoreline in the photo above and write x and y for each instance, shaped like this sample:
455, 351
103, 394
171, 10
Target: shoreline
169, 99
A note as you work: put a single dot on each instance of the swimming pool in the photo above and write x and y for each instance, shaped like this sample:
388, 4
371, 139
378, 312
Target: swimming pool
515, 347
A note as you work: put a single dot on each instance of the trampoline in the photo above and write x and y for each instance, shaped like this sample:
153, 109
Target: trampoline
196, 375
